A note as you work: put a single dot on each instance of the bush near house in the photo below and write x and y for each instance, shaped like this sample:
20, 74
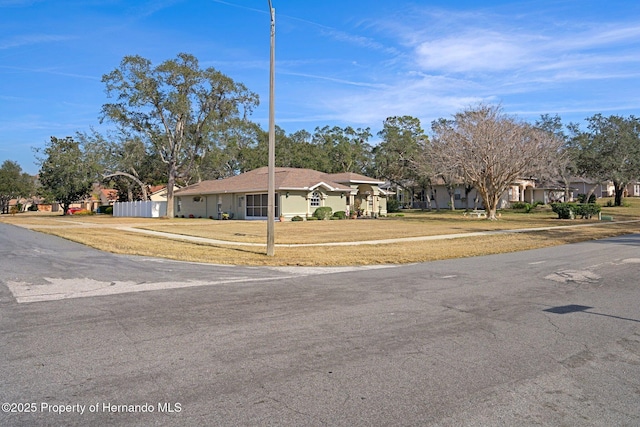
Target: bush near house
339, 215
524, 206
297, 218
104, 209
393, 205
323, 212
572, 210
588, 210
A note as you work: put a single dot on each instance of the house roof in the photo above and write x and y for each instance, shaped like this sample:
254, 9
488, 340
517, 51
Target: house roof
109, 193
257, 181
354, 178
157, 188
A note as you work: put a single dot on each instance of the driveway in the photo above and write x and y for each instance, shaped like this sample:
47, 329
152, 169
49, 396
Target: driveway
543, 337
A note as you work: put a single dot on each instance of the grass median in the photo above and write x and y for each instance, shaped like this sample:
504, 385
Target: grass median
103, 232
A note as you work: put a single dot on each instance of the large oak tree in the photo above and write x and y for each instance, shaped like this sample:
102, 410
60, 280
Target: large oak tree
67, 173
610, 150
177, 107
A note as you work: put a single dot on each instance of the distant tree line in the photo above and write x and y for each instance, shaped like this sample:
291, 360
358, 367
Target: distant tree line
179, 124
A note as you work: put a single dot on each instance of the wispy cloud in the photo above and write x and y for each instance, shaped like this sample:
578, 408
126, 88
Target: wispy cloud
501, 47
52, 71
436, 62
31, 39
472, 52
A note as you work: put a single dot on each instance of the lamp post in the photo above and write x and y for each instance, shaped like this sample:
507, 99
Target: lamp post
271, 190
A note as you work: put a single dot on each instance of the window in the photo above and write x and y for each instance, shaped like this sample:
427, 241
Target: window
315, 199
257, 205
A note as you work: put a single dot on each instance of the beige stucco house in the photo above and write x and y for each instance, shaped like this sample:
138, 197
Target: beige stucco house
299, 192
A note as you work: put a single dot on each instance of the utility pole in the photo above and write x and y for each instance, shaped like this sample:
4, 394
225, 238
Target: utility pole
271, 191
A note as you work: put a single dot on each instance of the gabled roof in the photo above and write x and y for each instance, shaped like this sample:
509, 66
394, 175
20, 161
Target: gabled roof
156, 188
354, 178
257, 181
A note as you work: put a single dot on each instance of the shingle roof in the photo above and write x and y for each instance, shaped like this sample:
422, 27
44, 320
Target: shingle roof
257, 181
355, 178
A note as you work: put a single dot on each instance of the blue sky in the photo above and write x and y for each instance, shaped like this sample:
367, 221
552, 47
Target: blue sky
338, 62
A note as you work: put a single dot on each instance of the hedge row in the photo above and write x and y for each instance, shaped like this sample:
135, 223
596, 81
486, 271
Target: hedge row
573, 210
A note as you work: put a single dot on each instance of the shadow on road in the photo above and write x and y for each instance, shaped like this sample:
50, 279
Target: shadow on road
574, 308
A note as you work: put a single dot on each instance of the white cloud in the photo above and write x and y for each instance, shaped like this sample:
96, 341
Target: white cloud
474, 52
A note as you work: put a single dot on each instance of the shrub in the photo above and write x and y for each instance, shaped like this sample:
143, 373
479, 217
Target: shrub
571, 210
582, 198
83, 212
527, 207
323, 212
587, 210
522, 206
109, 210
103, 209
393, 205
339, 215
297, 218
33, 208
564, 210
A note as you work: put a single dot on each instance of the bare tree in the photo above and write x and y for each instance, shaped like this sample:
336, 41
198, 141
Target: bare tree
492, 149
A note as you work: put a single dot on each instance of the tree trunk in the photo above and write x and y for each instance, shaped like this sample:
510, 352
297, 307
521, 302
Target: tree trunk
590, 192
170, 184
619, 192
467, 191
490, 204
567, 193
435, 199
452, 201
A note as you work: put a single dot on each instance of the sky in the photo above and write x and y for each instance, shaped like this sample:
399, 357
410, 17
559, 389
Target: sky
338, 62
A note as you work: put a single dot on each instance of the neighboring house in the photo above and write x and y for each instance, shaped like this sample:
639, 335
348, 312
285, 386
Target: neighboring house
158, 193
437, 195
108, 196
298, 192
584, 185
633, 189
522, 190
27, 203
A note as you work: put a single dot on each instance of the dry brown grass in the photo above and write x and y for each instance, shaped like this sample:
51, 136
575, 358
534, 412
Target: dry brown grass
102, 232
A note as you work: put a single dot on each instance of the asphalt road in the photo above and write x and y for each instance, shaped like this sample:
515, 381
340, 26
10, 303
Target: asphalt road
543, 337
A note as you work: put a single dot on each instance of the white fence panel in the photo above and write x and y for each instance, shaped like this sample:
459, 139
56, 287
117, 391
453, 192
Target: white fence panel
149, 209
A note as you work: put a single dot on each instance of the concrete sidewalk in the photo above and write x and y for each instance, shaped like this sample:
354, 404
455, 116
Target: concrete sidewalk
364, 242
